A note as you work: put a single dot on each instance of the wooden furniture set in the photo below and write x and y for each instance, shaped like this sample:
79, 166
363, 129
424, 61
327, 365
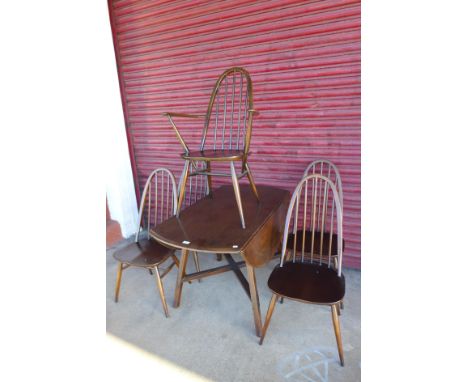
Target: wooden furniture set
306, 228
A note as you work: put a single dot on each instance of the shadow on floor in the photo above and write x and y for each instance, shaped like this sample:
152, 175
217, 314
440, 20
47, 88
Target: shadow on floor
212, 333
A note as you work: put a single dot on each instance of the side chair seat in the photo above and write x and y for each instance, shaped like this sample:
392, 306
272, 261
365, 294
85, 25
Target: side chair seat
307, 282
214, 155
317, 239
145, 253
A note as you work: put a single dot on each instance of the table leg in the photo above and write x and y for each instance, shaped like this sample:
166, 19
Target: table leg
180, 276
254, 299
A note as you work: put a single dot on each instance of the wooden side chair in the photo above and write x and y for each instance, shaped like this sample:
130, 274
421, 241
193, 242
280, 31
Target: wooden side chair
196, 188
315, 204
158, 203
226, 134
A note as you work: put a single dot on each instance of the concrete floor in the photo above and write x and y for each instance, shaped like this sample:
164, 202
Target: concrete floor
212, 333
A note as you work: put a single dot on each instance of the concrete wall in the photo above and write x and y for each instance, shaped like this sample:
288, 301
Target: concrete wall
120, 188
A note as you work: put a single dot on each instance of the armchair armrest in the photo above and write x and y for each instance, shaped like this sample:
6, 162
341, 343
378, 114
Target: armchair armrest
183, 115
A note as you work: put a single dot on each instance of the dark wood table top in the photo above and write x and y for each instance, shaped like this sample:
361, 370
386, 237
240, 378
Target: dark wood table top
212, 224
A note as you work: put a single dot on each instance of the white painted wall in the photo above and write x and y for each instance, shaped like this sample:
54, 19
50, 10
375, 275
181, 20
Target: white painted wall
120, 188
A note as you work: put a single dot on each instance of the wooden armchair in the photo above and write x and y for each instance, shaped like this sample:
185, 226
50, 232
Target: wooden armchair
226, 134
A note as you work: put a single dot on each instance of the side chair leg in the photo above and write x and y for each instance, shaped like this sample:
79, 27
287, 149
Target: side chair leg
197, 263
271, 308
175, 259
117, 284
183, 182
161, 291
251, 181
235, 184
336, 326
341, 305
150, 271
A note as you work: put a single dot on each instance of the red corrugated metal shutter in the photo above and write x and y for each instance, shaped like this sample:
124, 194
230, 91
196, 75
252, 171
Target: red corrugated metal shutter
304, 60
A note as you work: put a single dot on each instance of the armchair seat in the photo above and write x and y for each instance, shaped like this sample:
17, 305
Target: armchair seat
214, 155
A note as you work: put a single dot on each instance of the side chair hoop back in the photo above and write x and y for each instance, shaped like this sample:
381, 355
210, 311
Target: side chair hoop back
165, 207
326, 168
319, 214
196, 187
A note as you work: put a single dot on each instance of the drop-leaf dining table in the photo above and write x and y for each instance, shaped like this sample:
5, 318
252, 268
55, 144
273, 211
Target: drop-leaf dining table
211, 225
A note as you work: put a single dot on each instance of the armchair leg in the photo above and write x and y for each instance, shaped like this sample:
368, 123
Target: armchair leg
336, 326
117, 284
183, 182
271, 308
208, 177
235, 184
251, 181
161, 291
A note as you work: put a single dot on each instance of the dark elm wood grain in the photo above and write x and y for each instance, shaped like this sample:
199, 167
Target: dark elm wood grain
212, 224
215, 155
307, 282
145, 253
